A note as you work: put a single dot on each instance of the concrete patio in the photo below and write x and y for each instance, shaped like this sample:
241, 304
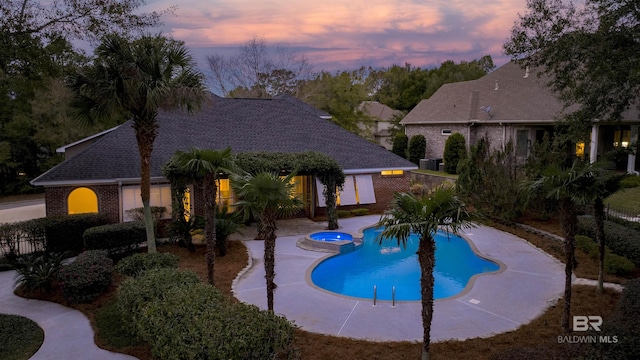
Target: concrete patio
528, 283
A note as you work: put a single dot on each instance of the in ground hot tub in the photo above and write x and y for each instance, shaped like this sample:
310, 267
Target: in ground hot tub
329, 241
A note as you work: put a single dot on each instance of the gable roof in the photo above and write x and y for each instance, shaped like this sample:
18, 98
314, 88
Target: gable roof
245, 125
378, 110
513, 95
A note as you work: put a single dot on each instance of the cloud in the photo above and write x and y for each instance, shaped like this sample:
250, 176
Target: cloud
351, 33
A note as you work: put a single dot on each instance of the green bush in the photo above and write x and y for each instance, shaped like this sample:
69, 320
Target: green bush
21, 337
184, 318
344, 214
630, 181
400, 144
137, 214
455, 149
38, 272
613, 263
360, 212
87, 277
620, 239
135, 293
624, 324
137, 263
115, 238
417, 148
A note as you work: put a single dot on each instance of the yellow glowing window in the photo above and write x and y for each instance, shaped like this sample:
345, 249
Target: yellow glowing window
82, 200
580, 150
187, 204
392, 172
225, 195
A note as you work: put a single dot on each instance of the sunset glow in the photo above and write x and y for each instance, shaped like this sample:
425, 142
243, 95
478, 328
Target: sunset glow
347, 34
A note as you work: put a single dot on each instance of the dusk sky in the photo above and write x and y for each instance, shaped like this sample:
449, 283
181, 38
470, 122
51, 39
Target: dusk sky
346, 34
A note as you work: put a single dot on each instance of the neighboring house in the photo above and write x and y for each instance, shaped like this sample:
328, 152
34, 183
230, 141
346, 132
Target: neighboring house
382, 116
509, 103
105, 175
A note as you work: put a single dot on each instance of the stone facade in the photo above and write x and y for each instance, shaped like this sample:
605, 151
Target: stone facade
108, 200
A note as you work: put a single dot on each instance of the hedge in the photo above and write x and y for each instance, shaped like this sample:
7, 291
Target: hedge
620, 239
50, 234
137, 263
183, 318
116, 238
87, 277
613, 263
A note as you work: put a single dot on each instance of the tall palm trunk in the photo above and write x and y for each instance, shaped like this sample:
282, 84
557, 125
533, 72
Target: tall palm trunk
426, 258
210, 191
145, 137
269, 227
598, 214
569, 223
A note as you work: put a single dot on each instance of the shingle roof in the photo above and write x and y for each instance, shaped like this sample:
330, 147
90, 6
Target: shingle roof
376, 109
245, 125
511, 96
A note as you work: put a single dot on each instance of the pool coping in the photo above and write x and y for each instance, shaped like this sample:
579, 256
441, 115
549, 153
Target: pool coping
528, 283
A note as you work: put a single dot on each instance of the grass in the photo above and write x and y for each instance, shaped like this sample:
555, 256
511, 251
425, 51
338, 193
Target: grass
23, 197
20, 337
626, 201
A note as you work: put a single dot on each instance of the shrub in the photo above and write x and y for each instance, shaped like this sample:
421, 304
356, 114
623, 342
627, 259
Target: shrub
135, 293
620, 239
137, 263
38, 272
455, 149
344, 214
399, 146
613, 263
184, 318
115, 238
137, 214
360, 212
226, 224
417, 148
87, 277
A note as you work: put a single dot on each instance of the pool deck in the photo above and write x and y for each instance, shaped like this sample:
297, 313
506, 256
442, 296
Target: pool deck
529, 282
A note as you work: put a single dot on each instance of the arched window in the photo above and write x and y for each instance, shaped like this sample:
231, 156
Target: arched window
82, 200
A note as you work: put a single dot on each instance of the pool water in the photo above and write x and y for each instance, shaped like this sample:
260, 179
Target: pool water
331, 236
387, 265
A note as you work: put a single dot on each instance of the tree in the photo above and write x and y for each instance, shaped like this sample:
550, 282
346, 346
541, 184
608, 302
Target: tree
400, 143
572, 186
266, 196
340, 95
455, 150
205, 167
260, 72
137, 79
591, 53
424, 216
417, 148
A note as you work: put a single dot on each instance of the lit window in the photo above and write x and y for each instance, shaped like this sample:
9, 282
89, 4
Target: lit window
392, 172
225, 195
357, 189
82, 200
580, 150
160, 195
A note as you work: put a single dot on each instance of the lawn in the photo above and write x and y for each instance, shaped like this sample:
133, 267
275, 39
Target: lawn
626, 201
20, 337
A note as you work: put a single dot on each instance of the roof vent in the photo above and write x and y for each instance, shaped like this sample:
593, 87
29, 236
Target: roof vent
497, 87
526, 72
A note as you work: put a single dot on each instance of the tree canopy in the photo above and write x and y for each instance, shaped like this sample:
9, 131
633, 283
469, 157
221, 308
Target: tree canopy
590, 49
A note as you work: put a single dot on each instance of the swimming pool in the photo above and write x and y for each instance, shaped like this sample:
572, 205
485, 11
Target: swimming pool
388, 265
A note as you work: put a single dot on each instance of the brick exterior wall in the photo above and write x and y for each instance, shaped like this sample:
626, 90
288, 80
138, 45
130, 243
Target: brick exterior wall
384, 188
108, 200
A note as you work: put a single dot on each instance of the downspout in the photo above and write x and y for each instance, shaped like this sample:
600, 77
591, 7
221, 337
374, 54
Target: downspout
120, 201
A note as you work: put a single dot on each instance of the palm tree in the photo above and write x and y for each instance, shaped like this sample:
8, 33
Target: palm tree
424, 216
135, 79
206, 167
570, 187
266, 197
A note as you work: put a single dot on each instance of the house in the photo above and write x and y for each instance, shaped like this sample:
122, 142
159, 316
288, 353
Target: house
104, 175
510, 103
382, 116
